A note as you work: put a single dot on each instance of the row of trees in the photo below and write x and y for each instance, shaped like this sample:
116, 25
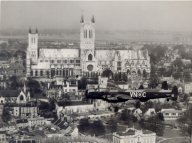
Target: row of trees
15, 83
154, 123
156, 53
92, 128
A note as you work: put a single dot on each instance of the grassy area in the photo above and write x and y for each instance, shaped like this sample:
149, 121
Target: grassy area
176, 140
170, 133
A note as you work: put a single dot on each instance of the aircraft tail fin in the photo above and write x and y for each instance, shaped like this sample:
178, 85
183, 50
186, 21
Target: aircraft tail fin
174, 95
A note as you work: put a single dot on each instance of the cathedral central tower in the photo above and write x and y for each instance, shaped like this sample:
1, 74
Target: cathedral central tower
87, 45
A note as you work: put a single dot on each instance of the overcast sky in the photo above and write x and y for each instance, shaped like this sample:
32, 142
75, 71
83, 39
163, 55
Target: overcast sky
110, 16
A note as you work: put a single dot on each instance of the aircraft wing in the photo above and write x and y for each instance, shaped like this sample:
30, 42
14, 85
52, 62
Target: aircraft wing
123, 96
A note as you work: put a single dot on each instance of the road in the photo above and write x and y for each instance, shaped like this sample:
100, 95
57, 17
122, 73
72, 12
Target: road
165, 139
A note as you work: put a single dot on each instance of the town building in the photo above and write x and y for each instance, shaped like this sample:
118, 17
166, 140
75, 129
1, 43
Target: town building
37, 121
3, 82
188, 87
31, 122
101, 105
3, 136
68, 108
70, 86
171, 114
134, 136
22, 123
29, 110
86, 59
61, 86
15, 96
150, 112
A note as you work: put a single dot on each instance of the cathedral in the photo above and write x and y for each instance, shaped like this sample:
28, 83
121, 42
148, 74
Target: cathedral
86, 59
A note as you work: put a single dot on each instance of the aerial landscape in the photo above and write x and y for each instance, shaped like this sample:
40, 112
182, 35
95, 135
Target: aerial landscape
95, 72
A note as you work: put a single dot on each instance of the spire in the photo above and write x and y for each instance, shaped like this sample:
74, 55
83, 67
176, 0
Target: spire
93, 19
36, 30
30, 30
82, 19
24, 88
82, 16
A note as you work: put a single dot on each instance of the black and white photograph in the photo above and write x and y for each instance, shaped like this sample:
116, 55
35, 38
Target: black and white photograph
95, 71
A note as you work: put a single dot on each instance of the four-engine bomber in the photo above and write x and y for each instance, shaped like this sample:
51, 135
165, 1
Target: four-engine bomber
125, 95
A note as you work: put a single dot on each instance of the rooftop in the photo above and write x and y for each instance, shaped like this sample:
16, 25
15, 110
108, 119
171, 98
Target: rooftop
72, 103
171, 111
131, 132
22, 121
9, 93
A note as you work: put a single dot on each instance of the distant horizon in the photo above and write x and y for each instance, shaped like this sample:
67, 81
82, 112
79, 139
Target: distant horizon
124, 16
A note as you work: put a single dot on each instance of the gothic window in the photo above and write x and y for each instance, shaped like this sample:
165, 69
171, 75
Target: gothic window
41, 73
64, 72
65, 61
36, 73
90, 67
47, 73
71, 61
90, 34
139, 72
67, 72
118, 68
21, 98
119, 64
143, 63
52, 61
31, 73
85, 34
90, 57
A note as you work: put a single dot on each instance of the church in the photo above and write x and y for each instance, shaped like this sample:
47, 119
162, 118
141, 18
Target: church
87, 59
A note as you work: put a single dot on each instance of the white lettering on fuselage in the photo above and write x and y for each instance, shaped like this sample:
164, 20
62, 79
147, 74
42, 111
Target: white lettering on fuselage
137, 94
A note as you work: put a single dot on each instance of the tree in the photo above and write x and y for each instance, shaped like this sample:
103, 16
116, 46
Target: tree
153, 123
146, 106
35, 87
116, 109
141, 86
137, 104
82, 84
127, 117
6, 115
51, 104
187, 76
116, 77
107, 73
84, 125
14, 83
164, 85
178, 64
97, 128
158, 106
124, 77
144, 74
185, 122
154, 80
112, 125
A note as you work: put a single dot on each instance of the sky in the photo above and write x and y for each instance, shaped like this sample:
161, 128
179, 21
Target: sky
109, 16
